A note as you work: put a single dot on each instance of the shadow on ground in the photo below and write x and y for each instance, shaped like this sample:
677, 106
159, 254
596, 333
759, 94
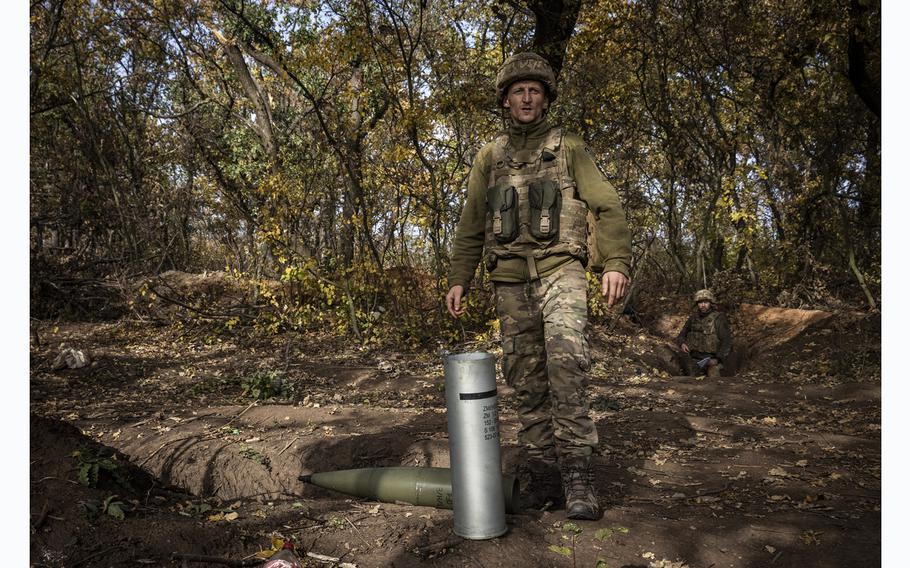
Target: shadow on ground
776, 466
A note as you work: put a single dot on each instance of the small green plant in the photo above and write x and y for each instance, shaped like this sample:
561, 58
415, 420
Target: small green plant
91, 463
571, 527
196, 509
263, 384
607, 533
251, 454
111, 506
572, 531
335, 522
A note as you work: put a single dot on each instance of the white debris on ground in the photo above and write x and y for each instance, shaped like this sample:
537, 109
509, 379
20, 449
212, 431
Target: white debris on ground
70, 358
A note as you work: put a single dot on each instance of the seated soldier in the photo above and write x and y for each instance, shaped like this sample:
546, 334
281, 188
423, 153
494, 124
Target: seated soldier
705, 338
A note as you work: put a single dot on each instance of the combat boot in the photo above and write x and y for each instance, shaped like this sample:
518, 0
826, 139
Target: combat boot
578, 484
541, 484
714, 371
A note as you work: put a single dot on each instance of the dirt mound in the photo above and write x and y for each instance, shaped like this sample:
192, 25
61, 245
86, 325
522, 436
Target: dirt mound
219, 294
764, 327
778, 465
843, 347
56, 292
778, 337
91, 507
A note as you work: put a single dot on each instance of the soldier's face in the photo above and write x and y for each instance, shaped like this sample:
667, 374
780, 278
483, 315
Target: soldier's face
526, 101
704, 306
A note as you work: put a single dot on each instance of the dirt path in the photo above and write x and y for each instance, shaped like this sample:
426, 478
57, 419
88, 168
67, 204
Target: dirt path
778, 466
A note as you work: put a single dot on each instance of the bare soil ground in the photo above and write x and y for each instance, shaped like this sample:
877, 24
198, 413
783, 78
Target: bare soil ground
778, 464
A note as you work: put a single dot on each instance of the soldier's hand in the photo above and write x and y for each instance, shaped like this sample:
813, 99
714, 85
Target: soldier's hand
685, 348
453, 300
614, 286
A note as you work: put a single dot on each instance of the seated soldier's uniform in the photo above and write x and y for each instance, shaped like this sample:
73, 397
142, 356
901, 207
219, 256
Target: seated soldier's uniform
707, 336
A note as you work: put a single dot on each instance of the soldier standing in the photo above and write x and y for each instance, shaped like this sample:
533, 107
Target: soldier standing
529, 193
705, 338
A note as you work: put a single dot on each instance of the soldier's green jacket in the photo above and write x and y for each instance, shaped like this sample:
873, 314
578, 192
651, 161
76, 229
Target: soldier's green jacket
614, 239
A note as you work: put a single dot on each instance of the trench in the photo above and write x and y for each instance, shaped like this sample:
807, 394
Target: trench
757, 332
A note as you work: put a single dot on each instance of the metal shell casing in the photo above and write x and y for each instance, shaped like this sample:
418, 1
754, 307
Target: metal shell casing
473, 419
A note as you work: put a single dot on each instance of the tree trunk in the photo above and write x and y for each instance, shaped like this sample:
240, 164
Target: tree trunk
256, 96
555, 24
859, 50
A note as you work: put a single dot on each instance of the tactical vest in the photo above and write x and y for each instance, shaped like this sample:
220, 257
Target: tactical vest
702, 335
532, 206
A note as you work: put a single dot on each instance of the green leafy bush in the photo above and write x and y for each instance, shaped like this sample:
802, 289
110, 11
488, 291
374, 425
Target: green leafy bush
262, 385
91, 464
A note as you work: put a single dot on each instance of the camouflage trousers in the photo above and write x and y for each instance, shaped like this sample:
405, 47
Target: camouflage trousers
546, 358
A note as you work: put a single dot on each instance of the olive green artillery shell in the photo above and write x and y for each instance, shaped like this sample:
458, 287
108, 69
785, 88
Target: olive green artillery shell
424, 486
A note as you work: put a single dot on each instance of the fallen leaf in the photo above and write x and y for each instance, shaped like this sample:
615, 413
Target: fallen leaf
231, 516
564, 550
665, 563
811, 537
770, 549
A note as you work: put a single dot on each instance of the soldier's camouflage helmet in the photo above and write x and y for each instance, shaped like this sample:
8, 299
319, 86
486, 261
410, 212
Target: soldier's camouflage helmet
704, 295
524, 67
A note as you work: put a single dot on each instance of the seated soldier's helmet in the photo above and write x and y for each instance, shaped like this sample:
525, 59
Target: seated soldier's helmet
524, 67
702, 295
